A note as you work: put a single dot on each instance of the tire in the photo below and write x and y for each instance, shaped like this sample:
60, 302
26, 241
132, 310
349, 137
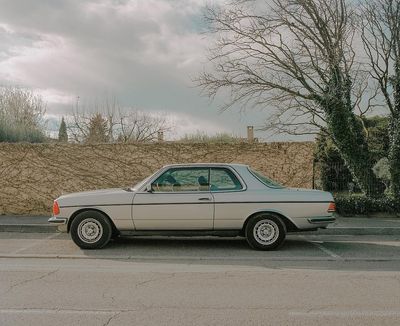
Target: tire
265, 232
115, 234
91, 230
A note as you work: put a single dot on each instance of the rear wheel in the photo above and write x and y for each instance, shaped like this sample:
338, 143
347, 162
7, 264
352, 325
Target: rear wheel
265, 232
91, 230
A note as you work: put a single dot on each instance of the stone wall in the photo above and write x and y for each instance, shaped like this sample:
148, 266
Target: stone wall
32, 175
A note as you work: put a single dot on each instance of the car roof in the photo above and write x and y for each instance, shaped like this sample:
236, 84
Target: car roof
205, 165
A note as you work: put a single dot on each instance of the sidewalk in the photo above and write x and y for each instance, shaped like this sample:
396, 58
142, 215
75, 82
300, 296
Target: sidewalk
363, 226
26, 224
342, 226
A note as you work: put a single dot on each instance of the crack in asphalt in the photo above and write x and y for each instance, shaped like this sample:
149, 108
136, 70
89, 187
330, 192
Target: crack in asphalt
12, 287
108, 321
137, 285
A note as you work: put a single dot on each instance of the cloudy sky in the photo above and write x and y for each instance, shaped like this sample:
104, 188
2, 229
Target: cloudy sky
144, 52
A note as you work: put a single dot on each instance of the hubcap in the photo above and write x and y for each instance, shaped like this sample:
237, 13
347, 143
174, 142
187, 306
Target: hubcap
266, 232
90, 230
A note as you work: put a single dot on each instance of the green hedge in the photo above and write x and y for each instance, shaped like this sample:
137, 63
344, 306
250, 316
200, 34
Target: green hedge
359, 204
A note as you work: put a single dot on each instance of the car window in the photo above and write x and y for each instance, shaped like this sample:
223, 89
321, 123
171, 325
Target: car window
182, 179
267, 181
223, 180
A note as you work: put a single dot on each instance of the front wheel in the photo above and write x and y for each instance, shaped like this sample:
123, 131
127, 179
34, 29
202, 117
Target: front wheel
91, 230
265, 232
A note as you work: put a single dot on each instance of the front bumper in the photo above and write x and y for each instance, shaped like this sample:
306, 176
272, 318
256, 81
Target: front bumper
60, 221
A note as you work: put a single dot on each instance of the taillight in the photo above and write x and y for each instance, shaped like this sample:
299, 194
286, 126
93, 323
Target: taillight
332, 207
56, 208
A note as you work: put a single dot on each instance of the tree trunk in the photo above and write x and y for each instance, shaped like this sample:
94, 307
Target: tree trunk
349, 138
348, 134
394, 156
394, 136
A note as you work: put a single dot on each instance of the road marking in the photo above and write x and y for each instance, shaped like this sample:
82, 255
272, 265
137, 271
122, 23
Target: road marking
379, 243
319, 245
58, 311
349, 313
324, 249
36, 243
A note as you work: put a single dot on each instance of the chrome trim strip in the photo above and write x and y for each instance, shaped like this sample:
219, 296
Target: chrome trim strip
100, 205
209, 167
200, 202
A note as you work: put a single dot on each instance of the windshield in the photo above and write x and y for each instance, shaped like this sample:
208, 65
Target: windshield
140, 184
265, 180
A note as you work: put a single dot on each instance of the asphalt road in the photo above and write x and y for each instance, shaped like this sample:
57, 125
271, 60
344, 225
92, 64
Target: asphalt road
313, 280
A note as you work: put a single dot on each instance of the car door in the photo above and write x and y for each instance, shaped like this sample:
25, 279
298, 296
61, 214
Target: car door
227, 191
180, 199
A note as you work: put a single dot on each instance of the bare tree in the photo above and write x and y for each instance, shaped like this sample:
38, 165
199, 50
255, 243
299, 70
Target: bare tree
138, 126
122, 124
296, 56
381, 38
21, 115
79, 123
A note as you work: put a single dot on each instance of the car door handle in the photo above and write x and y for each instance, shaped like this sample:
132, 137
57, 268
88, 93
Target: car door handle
204, 198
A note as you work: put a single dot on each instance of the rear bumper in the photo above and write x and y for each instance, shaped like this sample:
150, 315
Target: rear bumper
321, 220
313, 222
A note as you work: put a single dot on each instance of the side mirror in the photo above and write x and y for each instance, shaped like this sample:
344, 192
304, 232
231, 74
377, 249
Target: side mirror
149, 188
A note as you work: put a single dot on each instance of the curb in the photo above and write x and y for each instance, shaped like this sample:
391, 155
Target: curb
28, 228
197, 258
355, 231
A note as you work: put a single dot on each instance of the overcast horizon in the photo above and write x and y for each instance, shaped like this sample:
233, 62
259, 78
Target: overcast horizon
145, 53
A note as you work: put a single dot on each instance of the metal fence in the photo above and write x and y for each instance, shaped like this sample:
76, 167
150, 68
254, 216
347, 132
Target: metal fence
336, 178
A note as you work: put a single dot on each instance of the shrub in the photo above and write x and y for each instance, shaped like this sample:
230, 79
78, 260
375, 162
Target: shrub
21, 116
19, 133
362, 205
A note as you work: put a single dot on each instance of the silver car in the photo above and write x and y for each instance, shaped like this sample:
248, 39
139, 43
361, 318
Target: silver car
195, 199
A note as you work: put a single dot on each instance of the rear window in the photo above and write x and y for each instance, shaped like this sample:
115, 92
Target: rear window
265, 180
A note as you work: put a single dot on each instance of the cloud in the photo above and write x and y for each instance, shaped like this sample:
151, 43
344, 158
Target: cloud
144, 52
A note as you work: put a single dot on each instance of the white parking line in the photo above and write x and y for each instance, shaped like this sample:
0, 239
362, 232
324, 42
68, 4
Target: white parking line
348, 313
324, 313
36, 242
378, 243
319, 245
58, 311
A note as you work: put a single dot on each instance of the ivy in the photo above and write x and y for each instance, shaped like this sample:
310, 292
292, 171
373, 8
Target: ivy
362, 205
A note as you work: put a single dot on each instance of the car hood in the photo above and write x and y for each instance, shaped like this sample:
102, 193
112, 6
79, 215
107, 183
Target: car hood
112, 196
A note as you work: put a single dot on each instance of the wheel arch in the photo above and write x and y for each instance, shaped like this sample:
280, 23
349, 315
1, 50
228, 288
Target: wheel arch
86, 209
290, 226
